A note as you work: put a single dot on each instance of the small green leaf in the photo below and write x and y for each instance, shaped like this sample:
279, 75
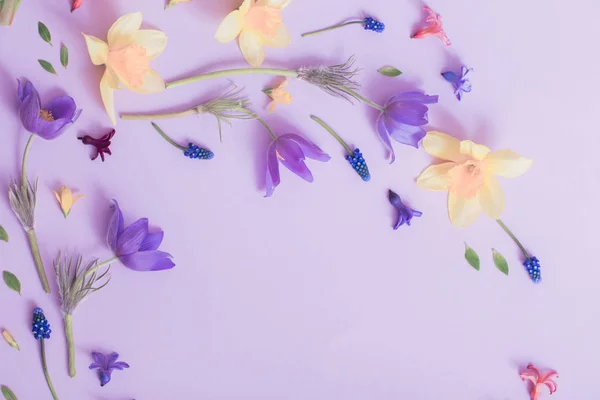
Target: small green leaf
8, 394
500, 262
47, 66
472, 257
64, 56
44, 33
10, 339
12, 281
3, 234
268, 91
389, 71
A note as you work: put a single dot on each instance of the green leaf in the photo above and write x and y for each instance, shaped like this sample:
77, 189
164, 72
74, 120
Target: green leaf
500, 262
64, 56
390, 71
3, 234
12, 281
8, 394
472, 257
47, 66
44, 33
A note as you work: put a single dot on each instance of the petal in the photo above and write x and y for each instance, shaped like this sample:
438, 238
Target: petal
98, 358
491, 198
152, 241
474, 150
132, 237
405, 134
51, 130
105, 376
231, 27
29, 112
418, 97
111, 358
115, 226
281, 4
291, 156
94, 366
507, 163
98, 49
442, 146
123, 31
246, 6
451, 77
107, 85
120, 365
407, 112
309, 149
273, 179
23, 92
383, 134
148, 261
62, 107
57, 197
76, 198
530, 376
280, 39
152, 40
463, 212
435, 177
153, 83
252, 47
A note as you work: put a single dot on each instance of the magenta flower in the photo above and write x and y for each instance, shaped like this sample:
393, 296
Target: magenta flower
291, 150
106, 365
50, 122
134, 246
403, 118
461, 83
102, 145
434, 28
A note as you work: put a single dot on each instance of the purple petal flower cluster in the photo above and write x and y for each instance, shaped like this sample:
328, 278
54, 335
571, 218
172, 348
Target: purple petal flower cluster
405, 214
106, 365
461, 83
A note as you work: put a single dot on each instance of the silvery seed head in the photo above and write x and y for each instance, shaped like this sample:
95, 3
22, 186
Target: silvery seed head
22, 200
335, 80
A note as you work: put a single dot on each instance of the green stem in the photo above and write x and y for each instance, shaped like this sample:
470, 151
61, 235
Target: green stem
143, 117
363, 99
513, 237
232, 72
70, 344
262, 122
39, 265
167, 138
24, 164
45, 367
333, 133
331, 28
98, 266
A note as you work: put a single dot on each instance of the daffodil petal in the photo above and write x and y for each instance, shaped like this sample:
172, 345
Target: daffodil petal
281, 4
491, 198
231, 27
435, 177
252, 47
442, 146
245, 6
507, 163
108, 84
463, 211
152, 40
474, 150
280, 40
153, 83
122, 32
97, 48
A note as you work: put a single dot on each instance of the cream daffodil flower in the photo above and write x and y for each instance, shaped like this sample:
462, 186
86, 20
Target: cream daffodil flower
66, 200
127, 58
257, 23
468, 176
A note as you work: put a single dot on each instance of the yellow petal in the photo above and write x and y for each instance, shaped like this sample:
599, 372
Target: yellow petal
246, 6
491, 198
153, 83
436, 177
231, 27
66, 198
152, 40
76, 198
272, 107
57, 197
10, 339
507, 163
473, 150
97, 48
463, 212
442, 146
122, 32
281, 38
281, 4
108, 84
252, 47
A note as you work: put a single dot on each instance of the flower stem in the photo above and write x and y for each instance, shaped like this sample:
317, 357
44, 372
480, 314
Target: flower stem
331, 28
70, 344
98, 266
143, 117
167, 138
333, 133
232, 72
24, 164
262, 122
363, 99
39, 265
513, 237
45, 368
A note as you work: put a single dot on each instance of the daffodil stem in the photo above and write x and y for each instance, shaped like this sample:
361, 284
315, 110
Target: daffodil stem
45, 368
98, 266
331, 28
333, 133
232, 72
37, 258
70, 344
24, 164
513, 237
147, 117
363, 99
261, 121
167, 138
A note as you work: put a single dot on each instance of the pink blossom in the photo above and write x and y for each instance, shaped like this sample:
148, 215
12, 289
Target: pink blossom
435, 27
540, 380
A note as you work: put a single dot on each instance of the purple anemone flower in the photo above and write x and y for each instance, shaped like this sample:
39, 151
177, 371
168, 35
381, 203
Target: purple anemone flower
135, 247
291, 150
461, 83
50, 122
106, 365
403, 119
405, 214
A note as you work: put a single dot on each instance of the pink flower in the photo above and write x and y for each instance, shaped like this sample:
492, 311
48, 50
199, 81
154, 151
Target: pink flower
540, 380
435, 27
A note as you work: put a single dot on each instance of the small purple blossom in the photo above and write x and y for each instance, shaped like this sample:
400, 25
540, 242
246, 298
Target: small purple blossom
106, 365
102, 145
405, 214
403, 118
461, 83
50, 122
291, 150
135, 247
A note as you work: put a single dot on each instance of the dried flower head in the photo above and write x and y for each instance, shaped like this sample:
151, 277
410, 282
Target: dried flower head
336, 80
22, 200
228, 106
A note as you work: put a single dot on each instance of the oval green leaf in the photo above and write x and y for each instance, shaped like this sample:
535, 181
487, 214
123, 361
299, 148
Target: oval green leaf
390, 71
500, 262
44, 33
12, 281
64, 56
3, 235
8, 394
472, 257
47, 66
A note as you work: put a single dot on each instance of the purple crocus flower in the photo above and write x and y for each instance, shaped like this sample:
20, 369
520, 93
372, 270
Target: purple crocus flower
461, 83
106, 365
405, 214
135, 247
291, 150
403, 118
50, 122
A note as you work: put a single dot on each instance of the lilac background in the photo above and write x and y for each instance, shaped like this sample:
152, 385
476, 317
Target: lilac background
311, 294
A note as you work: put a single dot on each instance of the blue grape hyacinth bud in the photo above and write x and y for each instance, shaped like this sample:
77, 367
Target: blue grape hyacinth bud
372, 24
200, 153
359, 164
40, 326
532, 265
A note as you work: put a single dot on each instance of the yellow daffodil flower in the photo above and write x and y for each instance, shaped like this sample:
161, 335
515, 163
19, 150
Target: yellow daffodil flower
279, 96
66, 200
468, 176
257, 23
175, 2
127, 58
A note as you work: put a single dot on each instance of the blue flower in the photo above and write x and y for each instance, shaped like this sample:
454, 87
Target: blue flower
40, 326
106, 365
405, 214
194, 151
460, 82
374, 25
533, 268
359, 164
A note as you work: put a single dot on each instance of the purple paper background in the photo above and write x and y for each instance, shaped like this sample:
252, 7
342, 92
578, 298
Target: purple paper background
311, 294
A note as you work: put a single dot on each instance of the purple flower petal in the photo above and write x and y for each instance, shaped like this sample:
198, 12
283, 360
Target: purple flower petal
50, 130
451, 77
132, 237
309, 149
62, 107
95, 366
384, 135
23, 92
405, 134
408, 112
273, 179
105, 376
418, 97
111, 358
115, 226
98, 358
148, 261
292, 157
29, 112
120, 365
76, 115
152, 241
